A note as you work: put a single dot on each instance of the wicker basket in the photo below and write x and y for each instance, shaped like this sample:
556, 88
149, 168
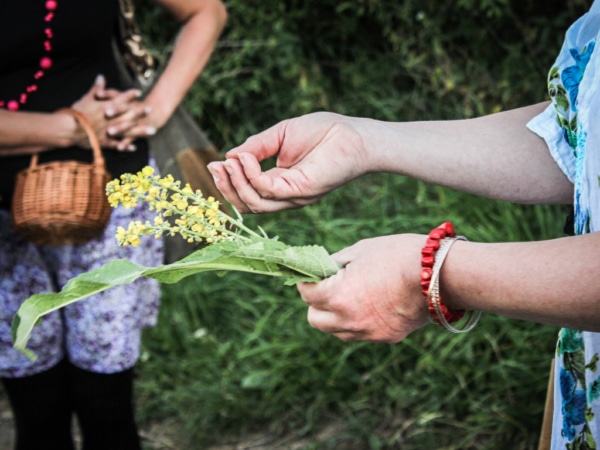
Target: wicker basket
62, 202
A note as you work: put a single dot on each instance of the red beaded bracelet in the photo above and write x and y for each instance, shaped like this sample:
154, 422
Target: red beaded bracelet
428, 254
436, 248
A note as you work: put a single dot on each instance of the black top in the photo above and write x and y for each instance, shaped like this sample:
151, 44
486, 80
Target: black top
81, 49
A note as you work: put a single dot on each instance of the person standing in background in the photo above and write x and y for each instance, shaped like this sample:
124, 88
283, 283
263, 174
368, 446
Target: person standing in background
57, 54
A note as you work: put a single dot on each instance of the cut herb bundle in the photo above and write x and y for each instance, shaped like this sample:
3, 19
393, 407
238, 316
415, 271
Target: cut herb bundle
179, 211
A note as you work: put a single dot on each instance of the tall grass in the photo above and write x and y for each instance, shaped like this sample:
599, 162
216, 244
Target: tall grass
235, 353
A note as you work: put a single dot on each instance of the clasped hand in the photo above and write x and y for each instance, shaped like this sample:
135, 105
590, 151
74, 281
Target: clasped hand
118, 117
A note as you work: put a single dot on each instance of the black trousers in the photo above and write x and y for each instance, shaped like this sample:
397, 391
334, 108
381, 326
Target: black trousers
43, 406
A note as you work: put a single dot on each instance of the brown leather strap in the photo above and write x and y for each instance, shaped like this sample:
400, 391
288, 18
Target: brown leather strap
93, 139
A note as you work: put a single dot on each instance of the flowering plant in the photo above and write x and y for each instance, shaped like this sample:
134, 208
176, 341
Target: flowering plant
230, 245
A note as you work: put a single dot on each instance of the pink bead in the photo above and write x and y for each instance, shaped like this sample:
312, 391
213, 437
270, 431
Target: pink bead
39, 74
23, 99
48, 32
49, 17
51, 5
47, 46
45, 63
31, 88
12, 105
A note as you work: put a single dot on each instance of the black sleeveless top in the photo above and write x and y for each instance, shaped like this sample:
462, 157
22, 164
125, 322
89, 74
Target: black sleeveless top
81, 49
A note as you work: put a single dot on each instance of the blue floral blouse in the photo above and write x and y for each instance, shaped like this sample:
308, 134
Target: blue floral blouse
571, 128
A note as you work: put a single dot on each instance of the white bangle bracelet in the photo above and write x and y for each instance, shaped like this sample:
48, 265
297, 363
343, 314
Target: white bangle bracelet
433, 294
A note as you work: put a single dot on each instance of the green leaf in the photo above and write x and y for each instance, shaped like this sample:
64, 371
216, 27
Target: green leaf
259, 255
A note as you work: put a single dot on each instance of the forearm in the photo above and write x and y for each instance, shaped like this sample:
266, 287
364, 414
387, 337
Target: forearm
550, 282
495, 156
26, 132
193, 48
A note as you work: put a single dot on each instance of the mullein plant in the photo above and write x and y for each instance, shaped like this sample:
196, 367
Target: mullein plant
227, 245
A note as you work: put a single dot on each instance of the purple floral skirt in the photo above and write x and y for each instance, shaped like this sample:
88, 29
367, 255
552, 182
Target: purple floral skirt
101, 333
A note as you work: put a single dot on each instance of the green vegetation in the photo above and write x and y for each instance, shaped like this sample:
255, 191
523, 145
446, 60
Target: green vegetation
234, 354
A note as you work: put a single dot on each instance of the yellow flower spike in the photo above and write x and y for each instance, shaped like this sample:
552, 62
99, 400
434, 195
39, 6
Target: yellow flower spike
194, 218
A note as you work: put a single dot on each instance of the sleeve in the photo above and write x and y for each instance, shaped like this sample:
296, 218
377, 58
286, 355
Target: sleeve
546, 126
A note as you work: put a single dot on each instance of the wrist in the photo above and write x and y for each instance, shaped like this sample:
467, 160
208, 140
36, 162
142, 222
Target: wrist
380, 140
433, 256
66, 130
158, 112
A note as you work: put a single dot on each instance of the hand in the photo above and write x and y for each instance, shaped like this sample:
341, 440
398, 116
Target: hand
376, 296
100, 105
129, 117
316, 153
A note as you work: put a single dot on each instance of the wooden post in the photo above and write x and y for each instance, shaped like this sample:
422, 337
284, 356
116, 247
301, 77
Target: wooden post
546, 433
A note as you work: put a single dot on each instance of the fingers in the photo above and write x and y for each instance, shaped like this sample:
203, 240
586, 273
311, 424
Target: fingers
236, 185
131, 124
262, 145
119, 104
249, 189
224, 185
99, 85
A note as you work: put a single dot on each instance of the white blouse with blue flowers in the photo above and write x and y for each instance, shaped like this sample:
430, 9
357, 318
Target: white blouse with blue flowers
571, 128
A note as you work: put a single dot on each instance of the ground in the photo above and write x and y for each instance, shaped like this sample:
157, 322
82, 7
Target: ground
160, 436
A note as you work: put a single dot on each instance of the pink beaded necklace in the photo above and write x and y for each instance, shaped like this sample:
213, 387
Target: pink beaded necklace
45, 62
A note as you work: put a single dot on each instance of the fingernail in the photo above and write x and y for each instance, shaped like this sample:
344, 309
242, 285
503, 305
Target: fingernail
99, 79
150, 131
131, 148
227, 167
214, 174
121, 146
109, 112
112, 131
148, 109
138, 93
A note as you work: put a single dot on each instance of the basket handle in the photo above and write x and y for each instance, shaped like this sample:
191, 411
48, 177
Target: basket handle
92, 138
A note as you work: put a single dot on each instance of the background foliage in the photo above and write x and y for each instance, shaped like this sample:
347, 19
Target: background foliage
235, 354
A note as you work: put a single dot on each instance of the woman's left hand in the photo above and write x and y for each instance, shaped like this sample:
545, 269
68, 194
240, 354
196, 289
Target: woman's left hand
376, 296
